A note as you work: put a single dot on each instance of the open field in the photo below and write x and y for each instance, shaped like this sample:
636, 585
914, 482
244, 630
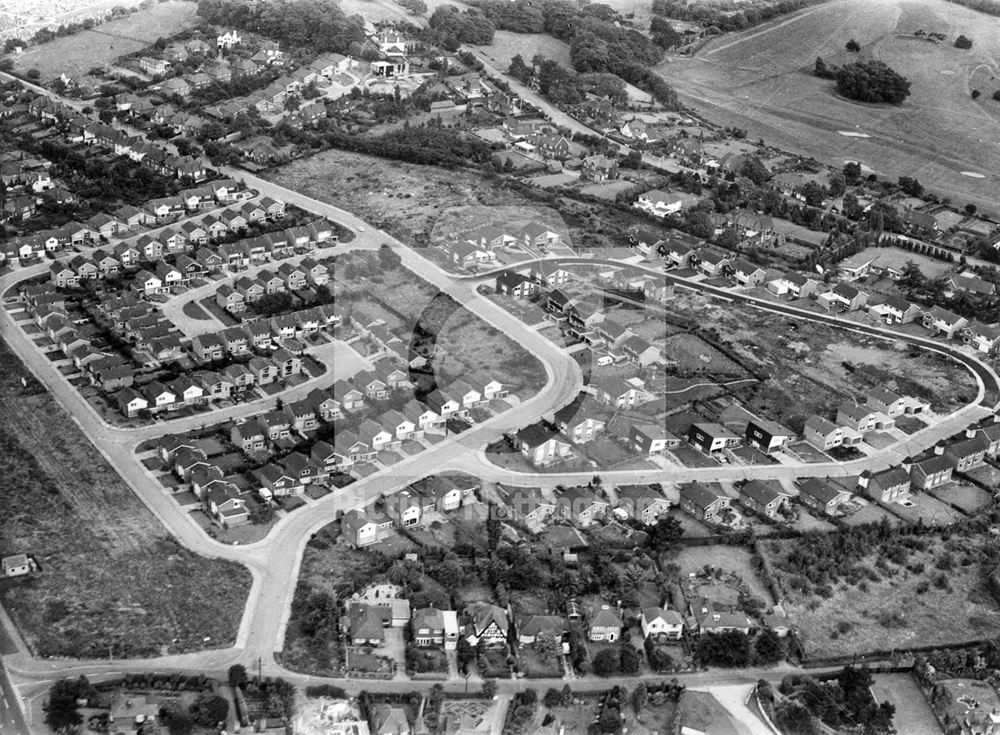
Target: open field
507, 44
111, 576
811, 368
729, 558
76, 54
933, 596
761, 80
404, 199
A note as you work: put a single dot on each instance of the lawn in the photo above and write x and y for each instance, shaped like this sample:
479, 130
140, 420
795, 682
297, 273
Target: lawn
111, 574
966, 496
100, 46
728, 558
913, 713
761, 80
535, 668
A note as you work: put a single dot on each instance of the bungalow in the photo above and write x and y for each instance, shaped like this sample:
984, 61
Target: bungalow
530, 627
795, 285
604, 624
762, 499
822, 495
488, 623
704, 502
660, 203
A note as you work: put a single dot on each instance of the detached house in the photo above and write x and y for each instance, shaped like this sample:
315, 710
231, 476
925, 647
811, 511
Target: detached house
704, 502
943, 322
605, 624
822, 495
542, 446
762, 499
886, 486
660, 624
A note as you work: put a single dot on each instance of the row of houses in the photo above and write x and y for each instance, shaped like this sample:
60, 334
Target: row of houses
854, 420
80, 129
479, 245
245, 291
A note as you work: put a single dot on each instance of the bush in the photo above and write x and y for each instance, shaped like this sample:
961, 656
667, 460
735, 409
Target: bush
963, 42
209, 710
872, 81
975, 94
326, 690
852, 46
606, 662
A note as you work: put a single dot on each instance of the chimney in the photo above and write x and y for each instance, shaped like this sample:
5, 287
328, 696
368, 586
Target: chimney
939, 449
970, 433
864, 478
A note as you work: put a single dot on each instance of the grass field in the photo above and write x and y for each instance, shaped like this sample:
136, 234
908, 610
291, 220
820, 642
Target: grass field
75, 55
507, 44
111, 577
761, 80
728, 558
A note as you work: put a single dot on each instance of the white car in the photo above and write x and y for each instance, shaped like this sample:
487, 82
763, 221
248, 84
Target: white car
361, 229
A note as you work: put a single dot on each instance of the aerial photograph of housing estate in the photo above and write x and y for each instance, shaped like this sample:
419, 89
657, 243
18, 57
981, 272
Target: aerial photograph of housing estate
500, 367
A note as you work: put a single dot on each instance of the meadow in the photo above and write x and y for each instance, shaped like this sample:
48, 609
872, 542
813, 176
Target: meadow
761, 80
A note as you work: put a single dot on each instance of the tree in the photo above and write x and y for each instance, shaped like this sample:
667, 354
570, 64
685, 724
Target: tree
12, 44
416, 7
465, 654
628, 658
663, 33
852, 46
388, 258
493, 529
823, 70
872, 81
33, 74
767, 647
606, 662
610, 721
177, 720
489, 688
519, 70
963, 42
552, 698
975, 94
970, 209
639, 697
209, 709
911, 186
852, 172
755, 170
237, 675
61, 713
665, 534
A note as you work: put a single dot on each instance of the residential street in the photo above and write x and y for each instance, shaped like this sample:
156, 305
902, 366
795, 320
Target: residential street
274, 561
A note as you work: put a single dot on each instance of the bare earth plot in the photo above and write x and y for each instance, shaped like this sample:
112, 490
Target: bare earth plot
111, 578
76, 54
761, 80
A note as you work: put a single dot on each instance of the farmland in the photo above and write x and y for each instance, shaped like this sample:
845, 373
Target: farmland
761, 79
73, 55
111, 579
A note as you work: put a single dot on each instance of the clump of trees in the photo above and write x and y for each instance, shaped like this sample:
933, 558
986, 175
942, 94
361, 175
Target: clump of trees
720, 15
963, 42
872, 81
844, 702
295, 23
469, 26
852, 46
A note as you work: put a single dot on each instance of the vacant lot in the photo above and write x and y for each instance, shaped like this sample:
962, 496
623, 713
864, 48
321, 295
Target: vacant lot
111, 577
507, 44
75, 55
812, 368
405, 199
932, 596
728, 558
761, 80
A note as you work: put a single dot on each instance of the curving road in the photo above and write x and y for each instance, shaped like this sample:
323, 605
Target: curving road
274, 561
